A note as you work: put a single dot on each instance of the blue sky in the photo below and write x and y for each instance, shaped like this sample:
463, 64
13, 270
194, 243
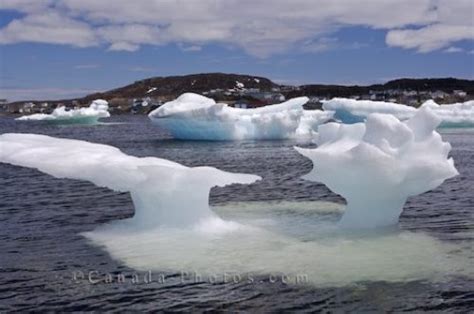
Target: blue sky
57, 49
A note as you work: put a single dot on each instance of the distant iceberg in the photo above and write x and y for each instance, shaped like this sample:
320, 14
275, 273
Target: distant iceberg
378, 164
90, 115
350, 111
453, 115
195, 117
353, 111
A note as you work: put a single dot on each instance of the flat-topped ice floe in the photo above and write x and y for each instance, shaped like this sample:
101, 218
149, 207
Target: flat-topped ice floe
195, 117
378, 164
353, 111
90, 115
164, 193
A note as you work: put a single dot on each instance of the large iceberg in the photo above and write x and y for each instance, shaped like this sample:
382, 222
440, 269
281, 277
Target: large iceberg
164, 193
90, 115
353, 111
378, 164
195, 117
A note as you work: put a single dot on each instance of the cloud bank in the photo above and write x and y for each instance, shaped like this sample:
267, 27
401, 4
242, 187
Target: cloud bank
260, 28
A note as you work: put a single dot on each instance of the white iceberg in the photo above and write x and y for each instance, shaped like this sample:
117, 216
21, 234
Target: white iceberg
353, 111
175, 230
453, 115
378, 164
195, 117
310, 120
164, 193
90, 115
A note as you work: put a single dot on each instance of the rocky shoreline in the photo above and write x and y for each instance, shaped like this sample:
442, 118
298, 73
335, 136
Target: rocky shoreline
245, 91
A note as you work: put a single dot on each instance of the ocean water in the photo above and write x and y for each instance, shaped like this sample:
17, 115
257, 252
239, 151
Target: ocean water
46, 259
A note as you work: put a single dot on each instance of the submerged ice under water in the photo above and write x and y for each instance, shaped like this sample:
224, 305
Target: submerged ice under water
300, 240
174, 229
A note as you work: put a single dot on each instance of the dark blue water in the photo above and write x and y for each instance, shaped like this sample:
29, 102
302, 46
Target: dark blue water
41, 219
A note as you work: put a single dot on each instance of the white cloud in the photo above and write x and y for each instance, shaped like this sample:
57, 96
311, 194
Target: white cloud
320, 45
454, 22
48, 27
430, 38
133, 34
25, 5
453, 50
260, 28
190, 48
123, 46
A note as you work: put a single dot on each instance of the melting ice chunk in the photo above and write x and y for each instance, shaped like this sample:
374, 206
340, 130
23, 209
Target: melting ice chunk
353, 111
164, 193
453, 115
378, 164
196, 117
90, 115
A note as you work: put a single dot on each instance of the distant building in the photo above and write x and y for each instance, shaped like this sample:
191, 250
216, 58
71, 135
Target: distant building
412, 102
459, 93
267, 97
14, 108
252, 90
3, 105
393, 92
140, 105
28, 107
409, 93
240, 105
438, 94
377, 96
216, 91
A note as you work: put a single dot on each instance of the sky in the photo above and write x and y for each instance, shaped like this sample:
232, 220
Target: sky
56, 49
